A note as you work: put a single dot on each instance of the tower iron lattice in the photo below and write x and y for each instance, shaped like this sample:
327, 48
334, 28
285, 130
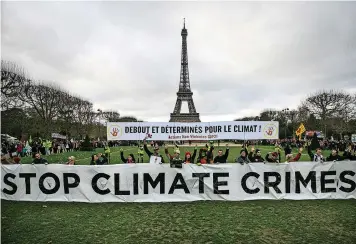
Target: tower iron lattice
184, 93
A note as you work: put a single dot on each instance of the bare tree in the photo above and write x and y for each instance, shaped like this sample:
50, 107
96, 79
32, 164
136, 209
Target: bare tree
13, 78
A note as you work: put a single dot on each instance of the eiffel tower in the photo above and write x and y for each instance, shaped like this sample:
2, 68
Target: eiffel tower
184, 93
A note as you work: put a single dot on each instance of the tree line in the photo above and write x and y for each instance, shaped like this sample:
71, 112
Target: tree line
37, 108
331, 112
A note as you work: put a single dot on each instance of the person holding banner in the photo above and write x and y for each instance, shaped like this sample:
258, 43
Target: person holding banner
317, 156
289, 157
204, 153
243, 159
334, 156
220, 158
129, 160
255, 156
190, 158
39, 160
153, 156
272, 157
175, 160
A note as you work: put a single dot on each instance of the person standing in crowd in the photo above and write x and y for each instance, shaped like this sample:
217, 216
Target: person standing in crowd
94, 158
102, 160
107, 152
334, 156
140, 153
19, 149
272, 157
220, 158
5, 159
129, 160
317, 156
243, 159
174, 160
204, 153
155, 151
290, 158
39, 160
255, 156
189, 158
71, 160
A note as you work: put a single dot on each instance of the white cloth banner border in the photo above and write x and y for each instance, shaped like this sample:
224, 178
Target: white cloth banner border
160, 183
171, 131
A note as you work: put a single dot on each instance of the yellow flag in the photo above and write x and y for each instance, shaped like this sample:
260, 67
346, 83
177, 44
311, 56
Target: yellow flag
300, 130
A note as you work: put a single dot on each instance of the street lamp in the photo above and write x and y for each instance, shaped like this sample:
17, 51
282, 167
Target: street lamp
285, 111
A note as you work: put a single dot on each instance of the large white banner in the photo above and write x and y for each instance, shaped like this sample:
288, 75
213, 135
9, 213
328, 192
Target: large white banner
160, 183
233, 130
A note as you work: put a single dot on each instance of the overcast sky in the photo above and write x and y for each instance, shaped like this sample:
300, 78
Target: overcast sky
243, 56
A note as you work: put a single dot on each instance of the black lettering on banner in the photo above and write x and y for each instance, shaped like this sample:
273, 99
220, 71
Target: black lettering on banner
244, 183
201, 180
299, 179
274, 184
324, 181
66, 184
9, 183
160, 179
348, 181
56, 183
287, 182
117, 186
135, 184
94, 183
175, 186
217, 183
27, 177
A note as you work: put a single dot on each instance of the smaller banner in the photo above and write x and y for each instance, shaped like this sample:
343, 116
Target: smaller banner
58, 136
233, 130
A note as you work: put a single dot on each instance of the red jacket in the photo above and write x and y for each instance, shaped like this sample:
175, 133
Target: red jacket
296, 158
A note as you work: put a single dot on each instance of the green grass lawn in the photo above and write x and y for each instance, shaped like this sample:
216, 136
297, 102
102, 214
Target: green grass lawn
318, 221
84, 157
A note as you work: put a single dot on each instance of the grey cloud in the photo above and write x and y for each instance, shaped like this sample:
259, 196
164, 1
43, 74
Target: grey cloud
243, 56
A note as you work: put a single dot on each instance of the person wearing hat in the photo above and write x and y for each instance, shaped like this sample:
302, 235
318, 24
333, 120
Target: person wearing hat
140, 153
243, 159
189, 158
175, 160
290, 158
155, 152
220, 158
255, 156
129, 160
205, 154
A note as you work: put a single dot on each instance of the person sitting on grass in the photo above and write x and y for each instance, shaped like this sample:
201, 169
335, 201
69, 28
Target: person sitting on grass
190, 158
272, 157
243, 159
71, 160
155, 151
255, 156
290, 158
129, 160
220, 158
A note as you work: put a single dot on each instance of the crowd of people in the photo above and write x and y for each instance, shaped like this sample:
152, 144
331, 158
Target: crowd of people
205, 155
